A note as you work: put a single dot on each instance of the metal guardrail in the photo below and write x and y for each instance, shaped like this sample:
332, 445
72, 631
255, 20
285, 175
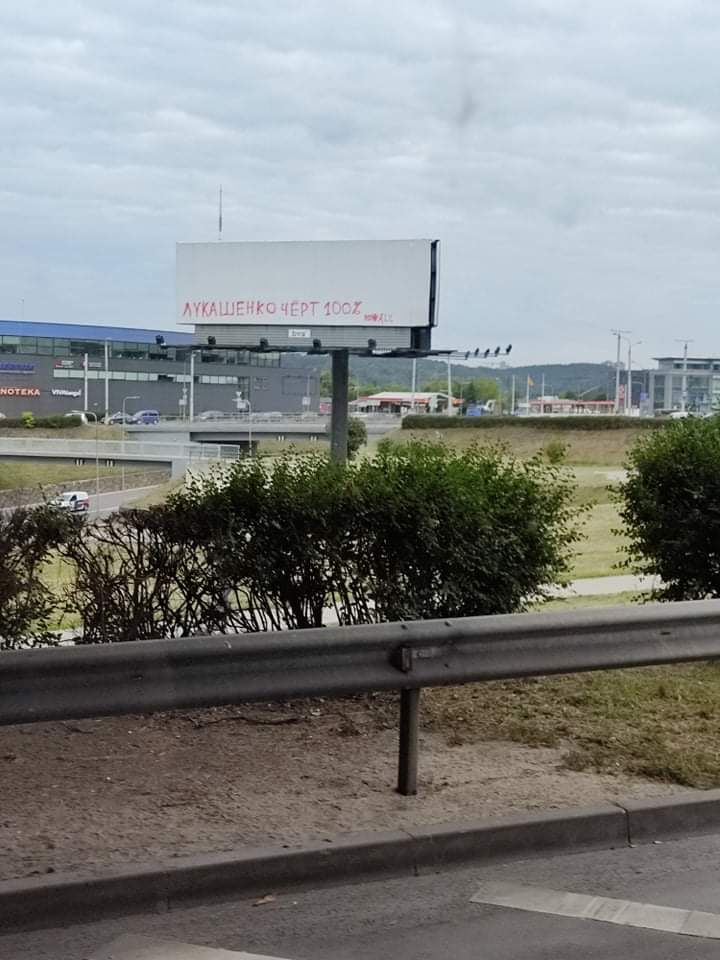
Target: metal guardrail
142, 677
117, 449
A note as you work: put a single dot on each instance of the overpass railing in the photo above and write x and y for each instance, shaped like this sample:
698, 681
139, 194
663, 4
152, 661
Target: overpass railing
142, 677
117, 449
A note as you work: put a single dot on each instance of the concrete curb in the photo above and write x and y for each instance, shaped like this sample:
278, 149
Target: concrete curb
53, 900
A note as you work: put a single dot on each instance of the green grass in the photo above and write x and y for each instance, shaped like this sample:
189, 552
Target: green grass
86, 432
157, 495
598, 553
274, 448
588, 448
21, 475
578, 603
657, 722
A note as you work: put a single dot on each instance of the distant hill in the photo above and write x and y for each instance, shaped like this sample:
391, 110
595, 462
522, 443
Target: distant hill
559, 377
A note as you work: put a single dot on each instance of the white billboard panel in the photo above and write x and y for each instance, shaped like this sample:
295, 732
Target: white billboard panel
301, 284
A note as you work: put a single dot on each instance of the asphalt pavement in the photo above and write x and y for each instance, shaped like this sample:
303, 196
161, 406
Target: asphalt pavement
433, 916
111, 502
107, 503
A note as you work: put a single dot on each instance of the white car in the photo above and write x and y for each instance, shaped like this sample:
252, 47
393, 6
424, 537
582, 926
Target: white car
74, 501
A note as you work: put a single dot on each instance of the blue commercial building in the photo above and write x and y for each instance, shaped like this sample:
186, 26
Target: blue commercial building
50, 368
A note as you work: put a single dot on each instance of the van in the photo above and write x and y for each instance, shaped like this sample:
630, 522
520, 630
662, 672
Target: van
73, 501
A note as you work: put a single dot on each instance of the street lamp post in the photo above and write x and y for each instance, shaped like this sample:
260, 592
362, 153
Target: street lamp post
124, 416
91, 413
628, 388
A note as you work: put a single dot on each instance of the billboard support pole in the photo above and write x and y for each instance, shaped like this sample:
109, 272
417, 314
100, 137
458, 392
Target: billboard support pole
339, 414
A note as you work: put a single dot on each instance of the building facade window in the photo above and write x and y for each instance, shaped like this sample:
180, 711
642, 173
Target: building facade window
132, 350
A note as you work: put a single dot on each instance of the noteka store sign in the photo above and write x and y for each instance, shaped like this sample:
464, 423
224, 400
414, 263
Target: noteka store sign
19, 392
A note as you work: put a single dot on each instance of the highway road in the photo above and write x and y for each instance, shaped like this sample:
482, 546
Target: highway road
433, 917
111, 502
108, 502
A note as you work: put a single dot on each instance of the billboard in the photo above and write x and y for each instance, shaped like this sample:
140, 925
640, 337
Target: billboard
303, 285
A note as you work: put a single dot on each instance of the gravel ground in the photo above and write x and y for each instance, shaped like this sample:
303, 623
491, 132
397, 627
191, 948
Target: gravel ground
94, 794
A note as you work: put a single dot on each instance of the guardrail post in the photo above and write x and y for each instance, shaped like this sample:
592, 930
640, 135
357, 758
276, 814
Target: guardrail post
408, 754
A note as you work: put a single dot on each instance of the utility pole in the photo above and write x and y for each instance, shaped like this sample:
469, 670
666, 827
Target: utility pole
413, 386
542, 394
619, 335
628, 388
684, 389
512, 396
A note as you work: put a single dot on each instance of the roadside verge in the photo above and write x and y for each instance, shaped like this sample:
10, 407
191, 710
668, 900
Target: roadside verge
76, 898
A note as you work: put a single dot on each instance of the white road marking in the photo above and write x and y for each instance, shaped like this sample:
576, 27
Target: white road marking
130, 947
691, 923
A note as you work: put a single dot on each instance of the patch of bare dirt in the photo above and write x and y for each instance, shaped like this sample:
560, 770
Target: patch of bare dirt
94, 794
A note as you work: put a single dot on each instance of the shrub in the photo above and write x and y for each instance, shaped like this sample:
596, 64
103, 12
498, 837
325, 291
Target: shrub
357, 436
555, 451
28, 419
446, 534
139, 575
418, 532
28, 538
670, 506
438, 422
55, 422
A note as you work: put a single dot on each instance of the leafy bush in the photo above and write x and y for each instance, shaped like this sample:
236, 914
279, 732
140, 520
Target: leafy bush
28, 419
55, 422
439, 422
670, 506
357, 436
28, 538
418, 532
138, 575
555, 451
446, 534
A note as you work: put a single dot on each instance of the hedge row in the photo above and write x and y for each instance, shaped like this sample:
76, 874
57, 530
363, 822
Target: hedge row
56, 422
441, 422
418, 532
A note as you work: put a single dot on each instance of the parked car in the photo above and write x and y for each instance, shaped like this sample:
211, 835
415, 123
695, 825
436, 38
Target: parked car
212, 415
120, 418
78, 413
146, 417
74, 501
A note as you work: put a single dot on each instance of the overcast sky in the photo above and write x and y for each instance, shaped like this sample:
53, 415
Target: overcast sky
565, 152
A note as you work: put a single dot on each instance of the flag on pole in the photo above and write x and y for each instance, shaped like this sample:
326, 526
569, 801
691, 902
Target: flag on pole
531, 382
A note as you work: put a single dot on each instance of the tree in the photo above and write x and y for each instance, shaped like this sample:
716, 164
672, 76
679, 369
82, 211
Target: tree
670, 506
474, 390
357, 436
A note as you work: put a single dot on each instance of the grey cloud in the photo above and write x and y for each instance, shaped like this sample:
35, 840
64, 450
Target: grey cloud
566, 154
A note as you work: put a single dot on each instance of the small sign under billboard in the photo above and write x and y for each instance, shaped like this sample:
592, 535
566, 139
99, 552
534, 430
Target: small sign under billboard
360, 284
